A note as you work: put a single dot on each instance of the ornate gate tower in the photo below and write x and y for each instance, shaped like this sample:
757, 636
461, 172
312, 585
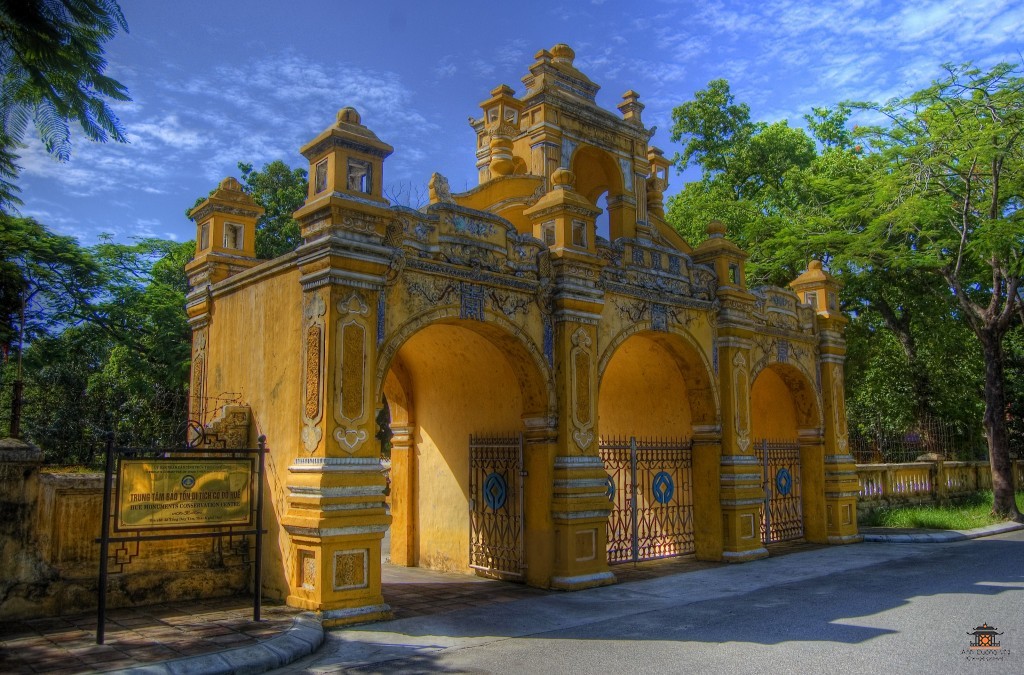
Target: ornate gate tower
517, 333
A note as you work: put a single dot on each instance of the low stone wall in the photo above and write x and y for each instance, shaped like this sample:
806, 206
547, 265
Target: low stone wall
49, 523
931, 482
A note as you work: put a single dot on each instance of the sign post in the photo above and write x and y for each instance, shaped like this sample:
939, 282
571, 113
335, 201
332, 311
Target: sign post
162, 495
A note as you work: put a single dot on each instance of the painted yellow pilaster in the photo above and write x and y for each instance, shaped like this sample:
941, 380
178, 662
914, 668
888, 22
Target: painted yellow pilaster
841, 484
812, 478
741, 491
540, 446
579, 505
403, 496
336, 513
707, 505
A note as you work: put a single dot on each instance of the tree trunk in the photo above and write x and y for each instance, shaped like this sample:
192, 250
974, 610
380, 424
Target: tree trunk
1004, 501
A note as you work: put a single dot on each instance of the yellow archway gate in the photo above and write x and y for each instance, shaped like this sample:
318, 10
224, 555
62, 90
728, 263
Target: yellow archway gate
500, 311
655, 387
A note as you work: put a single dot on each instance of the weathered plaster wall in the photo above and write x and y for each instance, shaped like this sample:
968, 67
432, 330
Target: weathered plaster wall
251, 358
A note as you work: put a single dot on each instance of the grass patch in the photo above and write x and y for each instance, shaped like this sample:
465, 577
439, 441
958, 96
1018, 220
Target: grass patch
966, 514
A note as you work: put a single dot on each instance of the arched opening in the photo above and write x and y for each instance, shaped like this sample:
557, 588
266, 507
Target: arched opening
783, 405
603, 221
599, 179
446, 381
653, 390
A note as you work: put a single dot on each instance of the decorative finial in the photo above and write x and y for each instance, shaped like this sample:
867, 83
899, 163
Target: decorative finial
563, 53
716, 229
349, 115
563, 178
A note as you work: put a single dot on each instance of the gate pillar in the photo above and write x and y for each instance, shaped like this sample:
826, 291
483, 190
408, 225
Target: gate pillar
707, 506
741, 494
812, 476
403, 497
579, 502
335, 513
820, 290
841, 483
540, 446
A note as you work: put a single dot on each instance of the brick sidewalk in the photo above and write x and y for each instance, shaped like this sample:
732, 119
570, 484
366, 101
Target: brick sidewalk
136, 636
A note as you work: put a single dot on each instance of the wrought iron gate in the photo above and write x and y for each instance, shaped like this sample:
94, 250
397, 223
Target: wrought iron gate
650, 488
496, 505
782, 516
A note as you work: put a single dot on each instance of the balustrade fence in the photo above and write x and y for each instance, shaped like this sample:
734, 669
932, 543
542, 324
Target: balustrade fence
925, 482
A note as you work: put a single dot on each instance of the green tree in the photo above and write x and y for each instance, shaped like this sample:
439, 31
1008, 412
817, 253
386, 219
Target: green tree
123, 365
51, 73
47, 283
280, 190
785, 200
946, 193
747, 171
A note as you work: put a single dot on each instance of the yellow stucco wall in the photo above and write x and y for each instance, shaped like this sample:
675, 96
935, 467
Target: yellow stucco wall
643, 393
461, 385
771, 405
251, 359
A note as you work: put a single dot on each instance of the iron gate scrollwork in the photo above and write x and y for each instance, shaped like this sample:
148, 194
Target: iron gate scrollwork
782, 517
650, 486
496, 505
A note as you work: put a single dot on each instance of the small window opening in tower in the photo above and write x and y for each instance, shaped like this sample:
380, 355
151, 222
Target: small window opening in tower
734, 274
811, 298
603, 220
204, 236
547, 231
359, 176
232, 236
579, 233
320, 180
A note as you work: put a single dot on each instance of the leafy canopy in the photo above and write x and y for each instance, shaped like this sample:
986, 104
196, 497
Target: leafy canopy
51, 74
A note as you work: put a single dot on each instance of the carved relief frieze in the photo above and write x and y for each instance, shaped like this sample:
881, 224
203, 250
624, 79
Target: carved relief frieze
509, 303
198, 381
741, 400
469, 254
582, 395
838, 415
314, 329
426, 291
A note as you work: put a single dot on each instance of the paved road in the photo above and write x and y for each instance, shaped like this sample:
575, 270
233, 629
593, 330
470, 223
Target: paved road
873, 607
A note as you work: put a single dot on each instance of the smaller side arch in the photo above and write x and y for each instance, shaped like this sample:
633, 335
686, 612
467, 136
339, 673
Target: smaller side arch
806, 400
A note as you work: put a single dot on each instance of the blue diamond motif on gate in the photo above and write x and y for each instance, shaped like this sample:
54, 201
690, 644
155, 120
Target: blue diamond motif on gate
783, 481
610, 488
495, 491
663, 487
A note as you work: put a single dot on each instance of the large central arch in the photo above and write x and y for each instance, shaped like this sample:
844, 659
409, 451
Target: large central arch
445, 379
655, 382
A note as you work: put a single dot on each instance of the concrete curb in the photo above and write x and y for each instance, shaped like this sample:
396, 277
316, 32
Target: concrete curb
302, 638
944, 536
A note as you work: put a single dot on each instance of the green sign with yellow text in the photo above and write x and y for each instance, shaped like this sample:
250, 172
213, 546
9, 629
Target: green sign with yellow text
181, 493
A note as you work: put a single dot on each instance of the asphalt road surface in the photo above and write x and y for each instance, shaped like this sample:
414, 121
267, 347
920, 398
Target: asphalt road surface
865, 608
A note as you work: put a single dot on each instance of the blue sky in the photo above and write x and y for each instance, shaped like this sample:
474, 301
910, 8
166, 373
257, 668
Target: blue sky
215, 82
